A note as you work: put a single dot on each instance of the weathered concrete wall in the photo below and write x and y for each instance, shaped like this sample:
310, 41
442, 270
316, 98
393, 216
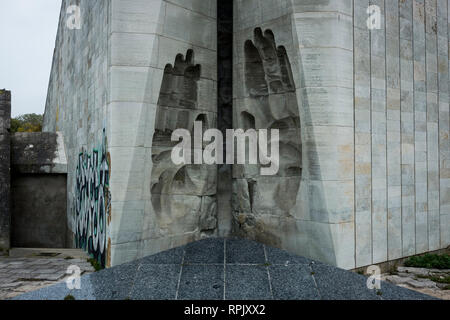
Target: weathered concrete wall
374, 116
39, 210
309, 210
38, 153
76, 105
110, 88
156, 46
38, 191
5, 178
401, 130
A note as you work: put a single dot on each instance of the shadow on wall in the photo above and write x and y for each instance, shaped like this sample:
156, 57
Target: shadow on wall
320, 239
320, 245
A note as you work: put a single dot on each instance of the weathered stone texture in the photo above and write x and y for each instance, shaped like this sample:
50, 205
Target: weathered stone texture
409, 138
393, 116
38, 153
420, 128
103, 95
38, 210
363, 141
148, 214
39, 190
309, 215
5, 175
79, 91
444, 126
379, 137
432, 118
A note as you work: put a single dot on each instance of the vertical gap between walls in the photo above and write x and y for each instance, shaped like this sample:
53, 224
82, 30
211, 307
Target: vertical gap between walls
224, 92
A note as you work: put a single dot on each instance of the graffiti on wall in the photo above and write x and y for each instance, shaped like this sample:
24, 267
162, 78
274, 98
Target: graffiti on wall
92, 201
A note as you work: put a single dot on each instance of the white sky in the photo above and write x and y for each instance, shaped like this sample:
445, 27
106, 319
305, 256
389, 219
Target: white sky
27, 39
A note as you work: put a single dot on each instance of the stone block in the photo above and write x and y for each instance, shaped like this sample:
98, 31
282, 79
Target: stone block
308, 24
139, 50
137, 16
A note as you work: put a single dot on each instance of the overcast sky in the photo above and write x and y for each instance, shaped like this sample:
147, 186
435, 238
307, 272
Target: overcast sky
27, 39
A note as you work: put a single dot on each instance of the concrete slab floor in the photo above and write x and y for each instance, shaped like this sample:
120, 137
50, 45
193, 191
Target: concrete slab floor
27, 270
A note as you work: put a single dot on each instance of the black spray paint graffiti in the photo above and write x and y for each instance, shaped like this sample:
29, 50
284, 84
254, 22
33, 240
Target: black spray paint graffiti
92, 202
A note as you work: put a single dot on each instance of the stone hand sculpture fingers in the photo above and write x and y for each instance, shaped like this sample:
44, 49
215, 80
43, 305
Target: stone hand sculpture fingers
180, 192
178, 94
271, 103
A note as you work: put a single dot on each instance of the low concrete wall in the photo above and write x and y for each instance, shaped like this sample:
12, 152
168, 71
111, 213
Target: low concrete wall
39, 191
38, 207
33, 186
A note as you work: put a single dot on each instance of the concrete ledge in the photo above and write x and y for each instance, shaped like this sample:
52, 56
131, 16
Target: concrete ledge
43, 253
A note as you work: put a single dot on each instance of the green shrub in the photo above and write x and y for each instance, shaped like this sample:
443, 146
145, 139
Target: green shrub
97, 266
27, 123
432, 261
445, 280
